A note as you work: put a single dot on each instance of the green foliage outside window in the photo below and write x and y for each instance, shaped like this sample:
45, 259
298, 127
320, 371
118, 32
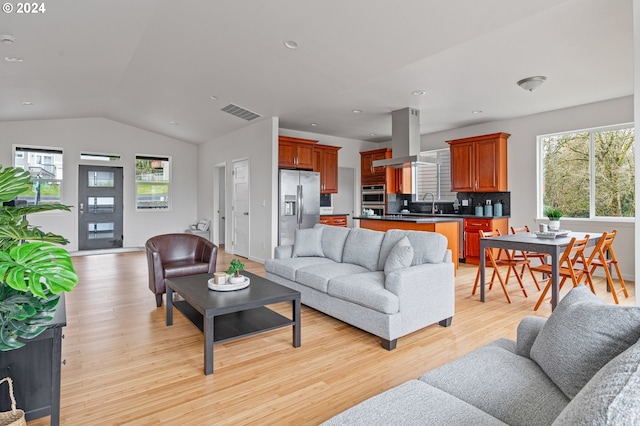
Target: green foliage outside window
590, 174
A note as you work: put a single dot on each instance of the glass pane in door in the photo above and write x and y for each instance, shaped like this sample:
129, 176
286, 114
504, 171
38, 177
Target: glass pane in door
101, 204
96, 231
97, 179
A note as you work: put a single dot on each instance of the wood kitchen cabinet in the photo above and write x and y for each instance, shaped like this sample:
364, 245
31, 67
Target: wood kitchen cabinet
295, 153
325, 161
375, 175
479, 163
472, 235
400, 181
338, 220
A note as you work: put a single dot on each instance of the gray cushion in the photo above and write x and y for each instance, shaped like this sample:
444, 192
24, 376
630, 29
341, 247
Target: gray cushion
366, 290
583, 334
400, 256
286, 268
511, 388
363, 248
308, 243
413, 403
612, 396
318, 276
428, 247
333, 239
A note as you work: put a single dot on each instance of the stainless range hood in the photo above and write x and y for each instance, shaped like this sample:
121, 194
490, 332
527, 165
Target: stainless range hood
405, 141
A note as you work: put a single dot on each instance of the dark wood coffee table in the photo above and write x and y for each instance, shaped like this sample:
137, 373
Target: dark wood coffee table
228, 315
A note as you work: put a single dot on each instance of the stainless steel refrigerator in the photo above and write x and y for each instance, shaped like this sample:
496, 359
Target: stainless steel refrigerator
299, 203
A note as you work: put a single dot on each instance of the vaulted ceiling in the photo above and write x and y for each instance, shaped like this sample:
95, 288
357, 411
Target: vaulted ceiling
151, 63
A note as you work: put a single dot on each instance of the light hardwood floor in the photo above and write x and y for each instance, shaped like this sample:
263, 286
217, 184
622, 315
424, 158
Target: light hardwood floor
124, 366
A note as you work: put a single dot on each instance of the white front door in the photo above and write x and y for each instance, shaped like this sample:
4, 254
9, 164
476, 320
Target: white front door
240, 208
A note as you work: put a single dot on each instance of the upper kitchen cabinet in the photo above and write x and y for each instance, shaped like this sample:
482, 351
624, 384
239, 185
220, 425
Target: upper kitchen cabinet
375, 175
295, 153
325, 161
479, 163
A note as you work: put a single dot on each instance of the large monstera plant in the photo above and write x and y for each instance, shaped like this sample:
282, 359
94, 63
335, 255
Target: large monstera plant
34, 269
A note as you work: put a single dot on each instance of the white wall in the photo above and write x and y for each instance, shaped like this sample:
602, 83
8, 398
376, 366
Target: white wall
259, 143
522, 163
105, 136
636, 103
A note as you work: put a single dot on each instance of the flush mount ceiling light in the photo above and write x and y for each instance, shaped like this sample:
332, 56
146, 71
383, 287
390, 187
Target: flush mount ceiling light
13, 59
531, 83
291, 44
418, 92
7, 39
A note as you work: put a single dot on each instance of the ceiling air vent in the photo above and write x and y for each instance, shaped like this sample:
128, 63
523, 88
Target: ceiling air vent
238, 111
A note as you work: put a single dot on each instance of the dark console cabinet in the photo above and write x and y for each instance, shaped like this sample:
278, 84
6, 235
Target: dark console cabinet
35, 369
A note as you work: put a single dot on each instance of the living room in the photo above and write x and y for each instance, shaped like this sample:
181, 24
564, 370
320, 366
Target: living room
90, 129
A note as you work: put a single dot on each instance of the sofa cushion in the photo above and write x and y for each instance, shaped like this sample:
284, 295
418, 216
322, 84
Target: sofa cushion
333, 239
363, 248
400, 256
308, 243
511, 388
286, 268
180, 268
318, 276
413, 403
582, 335
365, 289
612, 396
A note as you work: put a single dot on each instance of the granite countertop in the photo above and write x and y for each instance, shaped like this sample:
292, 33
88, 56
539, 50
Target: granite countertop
408, 218
335, 214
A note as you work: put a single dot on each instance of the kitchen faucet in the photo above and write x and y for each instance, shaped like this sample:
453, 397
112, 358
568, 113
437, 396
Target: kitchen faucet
433, 201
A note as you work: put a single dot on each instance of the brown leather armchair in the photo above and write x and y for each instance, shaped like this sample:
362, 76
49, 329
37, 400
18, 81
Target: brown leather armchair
177, 255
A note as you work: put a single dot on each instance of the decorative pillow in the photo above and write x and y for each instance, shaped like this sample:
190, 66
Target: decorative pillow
399, 257
581, 336
611, 397
308, 243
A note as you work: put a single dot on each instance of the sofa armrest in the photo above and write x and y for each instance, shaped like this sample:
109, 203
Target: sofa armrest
528, 330
427, 287
447, 256
283, 252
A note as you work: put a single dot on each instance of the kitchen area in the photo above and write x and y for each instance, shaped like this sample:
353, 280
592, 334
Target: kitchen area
456, 191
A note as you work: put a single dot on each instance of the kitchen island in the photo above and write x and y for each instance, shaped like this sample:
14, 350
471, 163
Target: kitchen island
446, 226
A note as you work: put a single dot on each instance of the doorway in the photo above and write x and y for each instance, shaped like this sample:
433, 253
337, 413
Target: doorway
100, 223
344, 200
219, 205
240, 209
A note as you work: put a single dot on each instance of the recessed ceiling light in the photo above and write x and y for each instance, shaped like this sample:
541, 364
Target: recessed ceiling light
313, 124
373, 134
291, 44
356, 111
7, 39
13, 59
175, 123
213, 98
418, 93
28, 103
476, 111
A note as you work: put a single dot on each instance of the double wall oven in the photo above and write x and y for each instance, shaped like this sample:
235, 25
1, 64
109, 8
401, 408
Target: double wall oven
374, 198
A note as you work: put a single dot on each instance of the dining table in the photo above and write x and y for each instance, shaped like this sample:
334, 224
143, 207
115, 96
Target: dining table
531, 241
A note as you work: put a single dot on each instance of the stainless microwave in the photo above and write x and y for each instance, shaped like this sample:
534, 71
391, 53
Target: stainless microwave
373, 194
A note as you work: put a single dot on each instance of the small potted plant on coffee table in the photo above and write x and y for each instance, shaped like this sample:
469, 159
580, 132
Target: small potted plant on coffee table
554, 216
234, 272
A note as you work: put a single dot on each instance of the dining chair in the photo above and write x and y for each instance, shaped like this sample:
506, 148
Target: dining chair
603, 257
572, 264
527, 255
498, 258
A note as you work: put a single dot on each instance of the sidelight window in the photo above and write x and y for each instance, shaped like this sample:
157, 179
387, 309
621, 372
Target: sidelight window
153, 182
435, 178
589, 173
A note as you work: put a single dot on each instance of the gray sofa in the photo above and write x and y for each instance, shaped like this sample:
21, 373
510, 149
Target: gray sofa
389, 283
579, 367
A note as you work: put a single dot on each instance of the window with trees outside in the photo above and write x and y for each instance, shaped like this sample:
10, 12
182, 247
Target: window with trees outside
589, 173
153, 181
45, 167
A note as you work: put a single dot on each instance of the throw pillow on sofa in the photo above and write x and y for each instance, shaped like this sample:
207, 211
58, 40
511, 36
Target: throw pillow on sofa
399, 257
308, 242
581, 336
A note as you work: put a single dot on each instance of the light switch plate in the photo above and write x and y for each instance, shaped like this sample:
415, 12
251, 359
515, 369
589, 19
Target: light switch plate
465, 203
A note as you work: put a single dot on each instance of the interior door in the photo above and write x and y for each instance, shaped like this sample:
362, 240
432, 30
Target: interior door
100, 223
240, 208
